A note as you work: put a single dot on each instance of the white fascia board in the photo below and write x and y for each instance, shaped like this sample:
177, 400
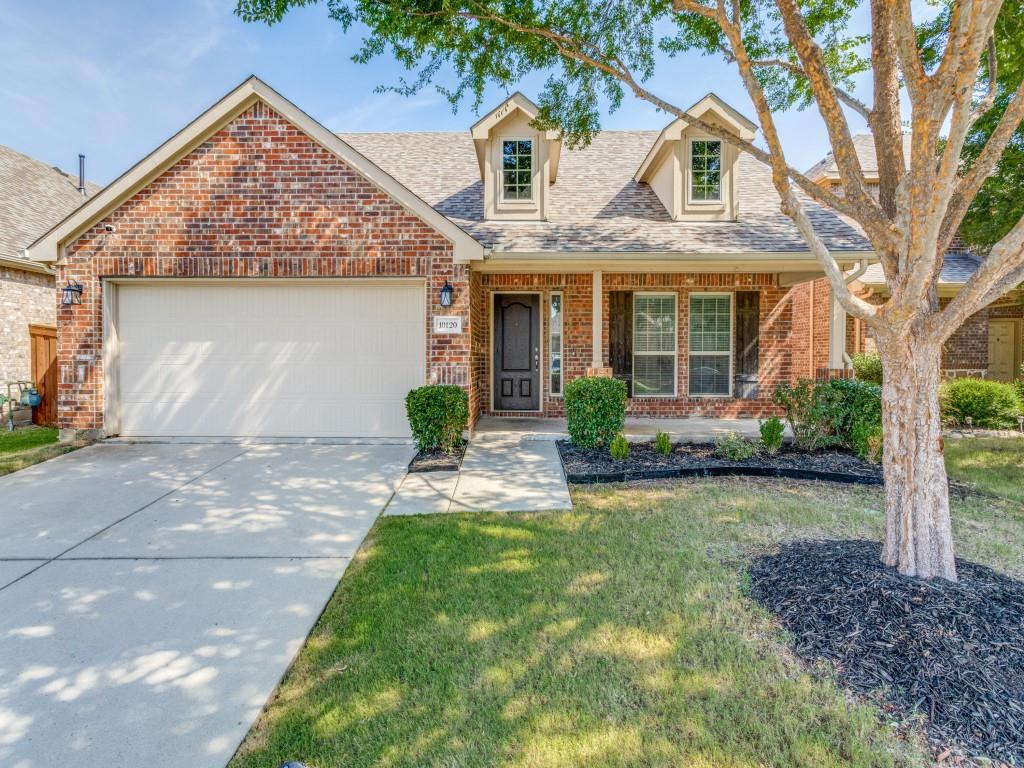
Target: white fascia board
629, 261
47, 249
25, 265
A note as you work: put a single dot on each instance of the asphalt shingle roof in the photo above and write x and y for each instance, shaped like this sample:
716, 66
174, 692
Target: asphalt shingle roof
595, 205
864, 146
33, 197
957, 268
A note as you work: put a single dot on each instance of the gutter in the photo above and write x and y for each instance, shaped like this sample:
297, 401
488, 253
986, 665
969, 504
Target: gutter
850, 278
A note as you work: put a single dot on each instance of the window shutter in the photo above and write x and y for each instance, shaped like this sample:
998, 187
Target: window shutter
620, 336
748, 317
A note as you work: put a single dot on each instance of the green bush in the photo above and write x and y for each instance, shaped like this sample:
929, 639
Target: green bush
867, 366
663, 443
989, 404
1019, 386
771, 434
866, 441
850, 404
595, 410
619, 448
806, 412
734, 447
438, 414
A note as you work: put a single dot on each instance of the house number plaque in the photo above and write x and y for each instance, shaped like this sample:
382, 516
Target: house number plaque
447, 324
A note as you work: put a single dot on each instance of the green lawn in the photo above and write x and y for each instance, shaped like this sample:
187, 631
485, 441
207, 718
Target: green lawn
992, 465
617, 634
29, 445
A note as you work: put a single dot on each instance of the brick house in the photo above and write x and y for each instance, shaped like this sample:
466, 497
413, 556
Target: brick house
33, 197
260, 275
989, 345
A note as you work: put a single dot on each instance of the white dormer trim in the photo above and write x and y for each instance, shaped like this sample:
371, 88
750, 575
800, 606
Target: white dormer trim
741, 126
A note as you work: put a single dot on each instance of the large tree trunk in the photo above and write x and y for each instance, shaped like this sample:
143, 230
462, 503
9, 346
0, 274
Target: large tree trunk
918, 534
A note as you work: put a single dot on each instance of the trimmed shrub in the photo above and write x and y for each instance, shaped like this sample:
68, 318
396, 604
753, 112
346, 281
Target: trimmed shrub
619, 448
989, 404
1019, 386
595, 410
438, 415
866, 440
771, 434
867, 366
806, 412
851, 405
734, 447
663, 443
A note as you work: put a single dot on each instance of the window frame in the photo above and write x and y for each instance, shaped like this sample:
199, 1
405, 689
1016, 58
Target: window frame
527, 202
690, 200
561, 345
675, 346
732, 343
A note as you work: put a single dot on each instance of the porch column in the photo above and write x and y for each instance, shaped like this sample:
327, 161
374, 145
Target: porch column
836, 333
597, 307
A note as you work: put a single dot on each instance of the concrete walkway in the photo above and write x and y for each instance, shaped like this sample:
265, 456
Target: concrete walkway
696, 429
152, 596
501, 471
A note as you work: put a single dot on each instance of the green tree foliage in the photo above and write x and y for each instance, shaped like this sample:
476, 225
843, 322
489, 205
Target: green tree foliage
575, 42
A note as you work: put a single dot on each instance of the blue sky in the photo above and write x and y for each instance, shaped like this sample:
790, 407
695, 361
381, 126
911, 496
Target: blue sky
114, 79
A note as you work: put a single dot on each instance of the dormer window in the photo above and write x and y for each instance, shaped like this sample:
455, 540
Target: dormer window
705, 171
517, 170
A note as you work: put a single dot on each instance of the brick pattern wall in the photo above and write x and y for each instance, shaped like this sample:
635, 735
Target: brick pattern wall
25, 297
811, 316
776, 326
258, 199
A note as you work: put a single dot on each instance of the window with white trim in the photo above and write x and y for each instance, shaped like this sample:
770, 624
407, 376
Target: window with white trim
705, 171
710, 353
517, 169
555, 343
654, 344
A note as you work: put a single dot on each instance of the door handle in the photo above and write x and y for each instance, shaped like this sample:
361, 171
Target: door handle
536, 358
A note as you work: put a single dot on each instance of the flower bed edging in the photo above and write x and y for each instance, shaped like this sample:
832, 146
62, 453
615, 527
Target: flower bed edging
718, 471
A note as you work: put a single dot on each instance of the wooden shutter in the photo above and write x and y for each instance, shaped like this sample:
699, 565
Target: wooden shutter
620, 336
748, 317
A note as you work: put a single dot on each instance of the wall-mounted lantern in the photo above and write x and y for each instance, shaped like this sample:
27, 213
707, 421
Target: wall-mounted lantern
446, 294
71, 293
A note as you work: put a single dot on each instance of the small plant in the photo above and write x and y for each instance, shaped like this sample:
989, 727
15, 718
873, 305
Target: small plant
734, 447
619, 448
867, 366
663, 443
771, 434
438, 414
595, 410
1019, 386
989, 404
867, 441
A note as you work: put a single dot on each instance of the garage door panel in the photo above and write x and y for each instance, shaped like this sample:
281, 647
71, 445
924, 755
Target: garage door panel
269, 360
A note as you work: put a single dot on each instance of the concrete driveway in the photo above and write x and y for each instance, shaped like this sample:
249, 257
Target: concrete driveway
152, 596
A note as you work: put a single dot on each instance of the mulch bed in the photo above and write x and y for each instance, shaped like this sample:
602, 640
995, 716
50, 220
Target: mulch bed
950, 653
583, 465
437, 461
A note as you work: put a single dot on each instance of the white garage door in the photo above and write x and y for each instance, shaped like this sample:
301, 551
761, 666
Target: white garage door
268, 359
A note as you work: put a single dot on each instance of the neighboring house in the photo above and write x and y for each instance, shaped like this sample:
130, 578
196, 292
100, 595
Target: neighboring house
260, 275
33, 197
989, 344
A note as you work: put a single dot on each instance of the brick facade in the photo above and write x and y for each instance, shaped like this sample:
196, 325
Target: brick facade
258, 199
25, 298
576, 289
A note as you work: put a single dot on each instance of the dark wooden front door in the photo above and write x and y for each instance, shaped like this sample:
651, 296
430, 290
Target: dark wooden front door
516, 352
44, 371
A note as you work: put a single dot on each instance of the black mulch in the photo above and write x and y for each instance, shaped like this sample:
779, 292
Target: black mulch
437, 461
950, 652
643, 457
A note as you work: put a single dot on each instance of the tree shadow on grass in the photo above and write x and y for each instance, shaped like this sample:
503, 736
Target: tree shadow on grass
575, 639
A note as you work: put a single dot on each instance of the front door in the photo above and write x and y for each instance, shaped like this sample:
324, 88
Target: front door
516, 352
1001, 347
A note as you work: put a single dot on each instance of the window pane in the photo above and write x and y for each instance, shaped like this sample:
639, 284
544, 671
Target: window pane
653, 375
517, 169
710, 323
555, 343
709, 374
654, 324
706, 170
